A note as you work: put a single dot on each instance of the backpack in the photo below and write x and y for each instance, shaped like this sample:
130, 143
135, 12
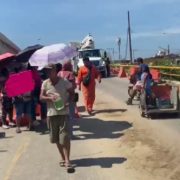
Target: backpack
86, 80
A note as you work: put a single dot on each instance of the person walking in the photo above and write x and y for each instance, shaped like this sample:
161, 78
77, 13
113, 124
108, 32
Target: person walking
35, 97
22, 105
6, 103
86, 79
55, 91
23, 110
67, 73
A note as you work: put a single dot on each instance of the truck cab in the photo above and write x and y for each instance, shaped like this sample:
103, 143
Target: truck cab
96, 56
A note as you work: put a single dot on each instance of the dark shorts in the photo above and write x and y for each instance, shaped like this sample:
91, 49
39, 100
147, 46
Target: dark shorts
59, 129
23, 108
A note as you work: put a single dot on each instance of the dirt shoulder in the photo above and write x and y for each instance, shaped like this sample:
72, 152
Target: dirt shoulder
152, 152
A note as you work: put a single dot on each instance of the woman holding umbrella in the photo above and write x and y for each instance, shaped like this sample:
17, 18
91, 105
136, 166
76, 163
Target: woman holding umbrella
55, 91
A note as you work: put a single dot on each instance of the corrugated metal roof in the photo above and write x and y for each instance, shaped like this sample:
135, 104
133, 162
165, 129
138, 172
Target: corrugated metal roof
9, 42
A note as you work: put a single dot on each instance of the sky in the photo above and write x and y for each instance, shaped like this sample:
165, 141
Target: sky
154, 23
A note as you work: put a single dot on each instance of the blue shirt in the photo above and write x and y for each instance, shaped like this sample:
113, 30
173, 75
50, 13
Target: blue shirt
141, 67
148, 80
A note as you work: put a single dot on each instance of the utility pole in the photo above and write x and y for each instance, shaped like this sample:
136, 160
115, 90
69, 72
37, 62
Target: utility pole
129, 35
113, 53
119, 46
168, 50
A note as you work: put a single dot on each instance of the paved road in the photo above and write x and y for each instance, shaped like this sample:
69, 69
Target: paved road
117, 88
95, 150
109, 145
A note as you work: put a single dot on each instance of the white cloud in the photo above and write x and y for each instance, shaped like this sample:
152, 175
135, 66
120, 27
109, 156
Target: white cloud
171, 31
146, 34
158, 33
159, 1
138, 2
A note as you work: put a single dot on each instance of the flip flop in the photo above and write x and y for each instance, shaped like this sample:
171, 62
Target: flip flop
69, 168
62, 163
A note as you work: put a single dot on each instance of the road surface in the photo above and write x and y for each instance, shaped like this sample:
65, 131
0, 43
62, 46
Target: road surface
115, 143
119, 88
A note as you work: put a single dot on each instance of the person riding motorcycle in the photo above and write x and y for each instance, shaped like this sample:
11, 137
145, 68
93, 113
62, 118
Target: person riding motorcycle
136, 79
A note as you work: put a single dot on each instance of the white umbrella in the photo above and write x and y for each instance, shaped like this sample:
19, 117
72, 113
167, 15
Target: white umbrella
52, 54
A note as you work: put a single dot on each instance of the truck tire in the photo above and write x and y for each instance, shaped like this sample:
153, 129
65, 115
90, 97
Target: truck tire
104, 74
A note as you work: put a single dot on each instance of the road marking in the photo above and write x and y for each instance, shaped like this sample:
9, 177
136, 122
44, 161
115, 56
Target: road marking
22, 148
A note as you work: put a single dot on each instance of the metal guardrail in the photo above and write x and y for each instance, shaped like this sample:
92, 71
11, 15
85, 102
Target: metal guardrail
154, 67
174, 75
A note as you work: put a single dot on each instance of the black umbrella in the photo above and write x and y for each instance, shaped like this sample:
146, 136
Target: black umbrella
25, 54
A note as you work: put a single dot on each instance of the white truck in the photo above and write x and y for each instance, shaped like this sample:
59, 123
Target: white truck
96, 56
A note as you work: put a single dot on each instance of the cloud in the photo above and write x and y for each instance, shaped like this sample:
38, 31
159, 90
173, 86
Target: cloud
171, 31
146, 34
153, 1
158, 33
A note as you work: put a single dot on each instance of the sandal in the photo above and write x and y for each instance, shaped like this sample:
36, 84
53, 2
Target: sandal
129, 102
62, 163
69, 168
18, 130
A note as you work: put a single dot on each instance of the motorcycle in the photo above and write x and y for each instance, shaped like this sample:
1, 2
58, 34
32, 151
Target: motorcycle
132, 82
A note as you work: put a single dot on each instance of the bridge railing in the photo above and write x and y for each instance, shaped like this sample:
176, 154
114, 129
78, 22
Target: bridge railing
168, 72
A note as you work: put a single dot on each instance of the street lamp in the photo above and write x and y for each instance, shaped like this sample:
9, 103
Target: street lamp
119, 45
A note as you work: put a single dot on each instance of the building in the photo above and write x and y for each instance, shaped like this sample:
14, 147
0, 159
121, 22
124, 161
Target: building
6, 45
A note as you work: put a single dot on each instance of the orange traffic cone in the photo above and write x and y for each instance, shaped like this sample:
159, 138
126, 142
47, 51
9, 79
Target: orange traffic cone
122, 73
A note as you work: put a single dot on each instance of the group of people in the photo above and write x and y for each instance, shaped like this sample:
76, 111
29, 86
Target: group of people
57, 86
55, 92
24, 105
57, 96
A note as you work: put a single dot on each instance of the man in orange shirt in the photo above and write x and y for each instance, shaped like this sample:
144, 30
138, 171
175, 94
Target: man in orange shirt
86, 80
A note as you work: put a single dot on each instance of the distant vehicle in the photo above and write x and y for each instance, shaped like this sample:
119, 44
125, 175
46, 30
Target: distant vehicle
96, 56
88, 42
161, 53
177, 61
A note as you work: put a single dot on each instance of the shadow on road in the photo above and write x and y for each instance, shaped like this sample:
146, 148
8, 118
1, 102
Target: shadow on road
1, 151
165, 116
103, 162
42, 129
82, 109
3, 136
93, 128
109, 111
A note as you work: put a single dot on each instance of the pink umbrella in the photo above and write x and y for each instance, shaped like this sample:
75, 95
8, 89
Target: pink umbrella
6, 56
19, 83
